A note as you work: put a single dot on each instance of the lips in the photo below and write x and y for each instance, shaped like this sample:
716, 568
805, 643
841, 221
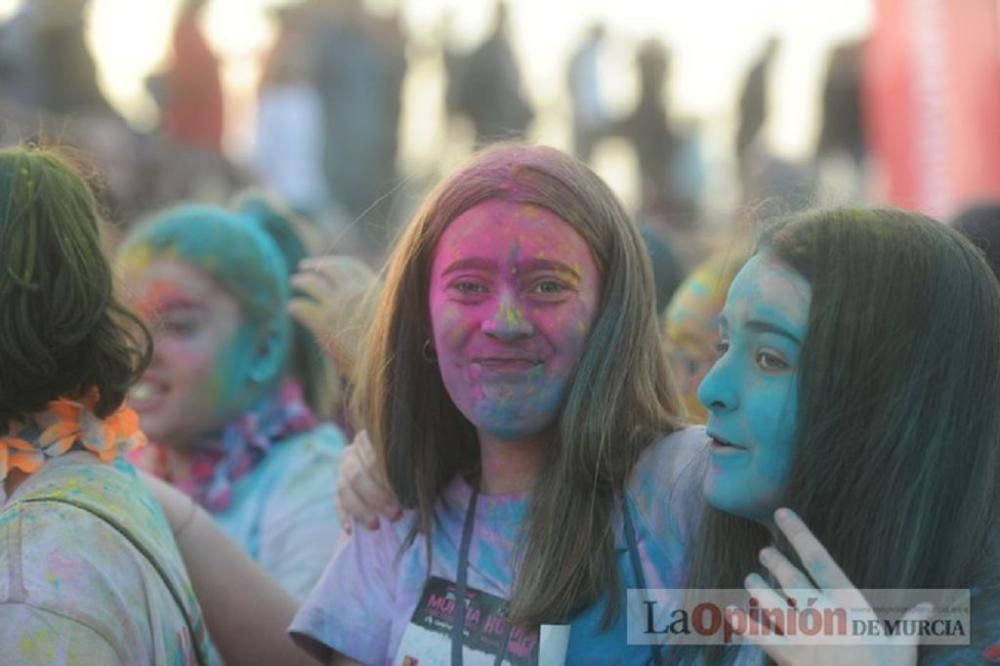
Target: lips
502, 362
146, 394
720, 444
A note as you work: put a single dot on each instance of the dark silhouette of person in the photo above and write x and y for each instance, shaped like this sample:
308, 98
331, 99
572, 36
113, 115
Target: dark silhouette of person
842, 126
489, 92
753, 102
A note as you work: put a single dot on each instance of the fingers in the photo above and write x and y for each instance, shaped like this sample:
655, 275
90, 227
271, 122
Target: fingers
767, 600
351, 507
372, 484
314, 285
308, 313
794, 584
814, 556
362, 490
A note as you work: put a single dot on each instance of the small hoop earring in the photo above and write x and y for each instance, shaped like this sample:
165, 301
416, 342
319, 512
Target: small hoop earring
428, 353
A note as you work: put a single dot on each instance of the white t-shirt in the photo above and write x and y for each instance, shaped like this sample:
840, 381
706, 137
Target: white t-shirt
378, 605
74, 590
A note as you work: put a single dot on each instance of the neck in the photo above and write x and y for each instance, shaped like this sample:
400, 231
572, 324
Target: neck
177, 461
510, 466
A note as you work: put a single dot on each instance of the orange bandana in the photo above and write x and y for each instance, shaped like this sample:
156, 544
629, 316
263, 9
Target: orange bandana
49, 434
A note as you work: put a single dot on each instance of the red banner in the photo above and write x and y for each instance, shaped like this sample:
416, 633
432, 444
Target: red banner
932, 102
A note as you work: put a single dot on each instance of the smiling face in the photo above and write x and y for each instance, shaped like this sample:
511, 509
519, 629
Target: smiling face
199, 376
751, 392
514, 291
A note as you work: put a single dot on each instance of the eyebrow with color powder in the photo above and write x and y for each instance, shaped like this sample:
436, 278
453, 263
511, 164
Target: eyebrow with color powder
759, 326
474, 263
529, 265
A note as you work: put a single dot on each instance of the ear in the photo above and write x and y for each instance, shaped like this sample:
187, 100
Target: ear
270, 352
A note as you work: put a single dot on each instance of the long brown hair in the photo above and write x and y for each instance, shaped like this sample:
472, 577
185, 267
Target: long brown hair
620, 401
897, 453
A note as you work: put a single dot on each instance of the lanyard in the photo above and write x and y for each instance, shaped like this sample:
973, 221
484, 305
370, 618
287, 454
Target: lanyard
458, 626
461, 585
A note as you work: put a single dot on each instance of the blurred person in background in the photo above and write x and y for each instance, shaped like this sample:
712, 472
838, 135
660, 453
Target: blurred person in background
691, 325
665, 157
193, 114
290, 139
753, 109
359, 73
91, 571
45, 62
842, 126
981, 224
231, 395
488, 87
842, 147
590, 116
668, 270
192, 110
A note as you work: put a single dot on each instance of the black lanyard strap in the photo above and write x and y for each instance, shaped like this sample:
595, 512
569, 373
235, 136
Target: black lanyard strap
461, 587
458, 626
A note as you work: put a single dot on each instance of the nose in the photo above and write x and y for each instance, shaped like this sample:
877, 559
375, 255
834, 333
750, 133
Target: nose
508, 322
719, 391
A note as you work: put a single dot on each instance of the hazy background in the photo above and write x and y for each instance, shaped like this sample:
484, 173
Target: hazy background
712, 44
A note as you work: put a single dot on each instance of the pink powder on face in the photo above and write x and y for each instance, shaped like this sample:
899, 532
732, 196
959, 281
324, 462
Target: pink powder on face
161, 295
514, 292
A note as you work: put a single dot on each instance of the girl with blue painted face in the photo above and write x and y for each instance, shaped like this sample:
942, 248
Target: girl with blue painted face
857, 383
230, 396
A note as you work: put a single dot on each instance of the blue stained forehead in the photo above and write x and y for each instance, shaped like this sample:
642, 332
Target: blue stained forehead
769, 291
229, 247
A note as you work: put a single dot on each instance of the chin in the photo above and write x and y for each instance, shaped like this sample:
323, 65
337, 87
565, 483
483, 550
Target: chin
727, 500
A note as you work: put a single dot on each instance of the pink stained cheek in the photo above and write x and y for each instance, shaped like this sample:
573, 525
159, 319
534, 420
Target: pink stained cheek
453, 327
188, 365
566, 331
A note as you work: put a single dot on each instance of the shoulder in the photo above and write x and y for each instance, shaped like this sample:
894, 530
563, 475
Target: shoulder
34, 525
352, 606
309, 458
325, 443
674, 457
666, 484
90, 575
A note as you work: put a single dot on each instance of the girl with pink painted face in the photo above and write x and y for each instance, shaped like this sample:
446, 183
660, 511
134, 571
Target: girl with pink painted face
513, 382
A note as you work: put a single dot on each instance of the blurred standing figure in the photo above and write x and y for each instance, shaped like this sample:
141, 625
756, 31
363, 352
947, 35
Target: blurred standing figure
489, 92
664, 156
45, 61
590, 117
842, 128
193, 113
753, 106
360, 94
290, 128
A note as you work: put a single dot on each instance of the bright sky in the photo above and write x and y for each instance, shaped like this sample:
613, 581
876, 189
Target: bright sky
713, 42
